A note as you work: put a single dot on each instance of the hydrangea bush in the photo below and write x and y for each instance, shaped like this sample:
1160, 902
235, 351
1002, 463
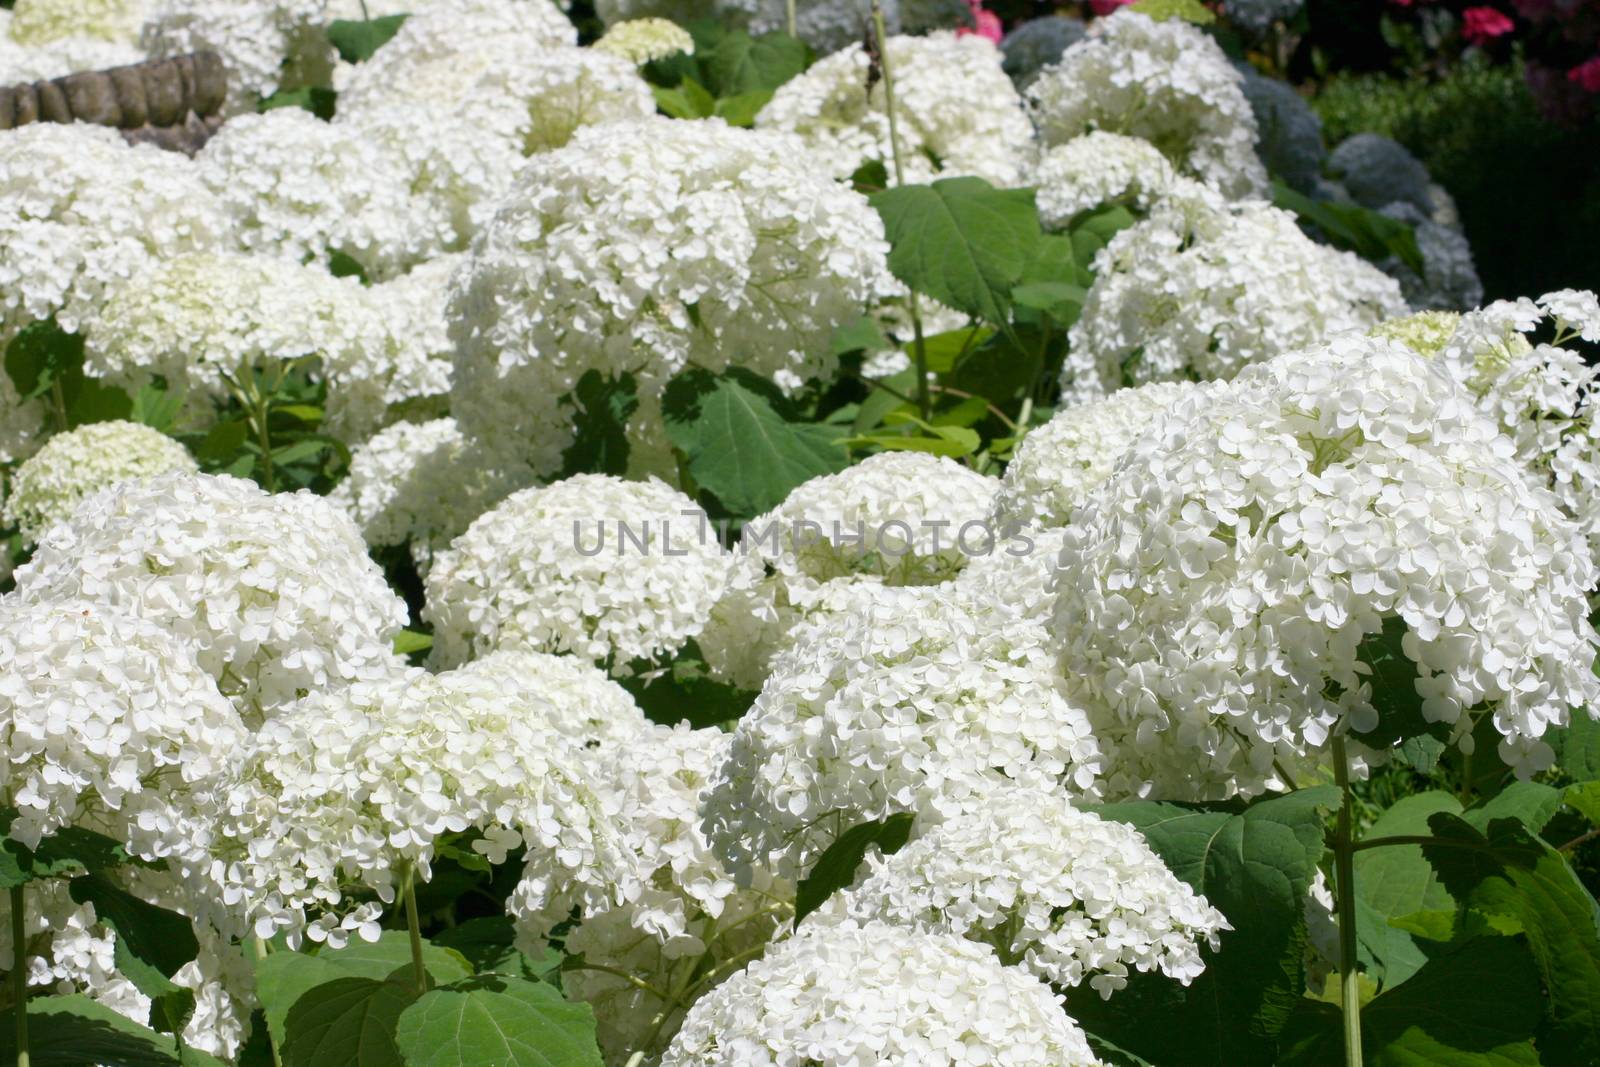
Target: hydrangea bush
724, 532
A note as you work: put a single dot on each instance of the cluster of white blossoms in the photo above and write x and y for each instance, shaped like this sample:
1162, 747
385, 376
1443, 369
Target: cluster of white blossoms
641, 40
1098, 168
1019, 573
208, 323
1059, 463
420, 484
688, 920
594, 566
1068, 895
896, 518
890, 995
106, 717
1201, 291
567, 696
265, 45
79, 463
31, 62
301, 189
81, 211
916, 701
641, 248
1164, 82
360, 786
1215, 594
956, 112
38, 22
275, 592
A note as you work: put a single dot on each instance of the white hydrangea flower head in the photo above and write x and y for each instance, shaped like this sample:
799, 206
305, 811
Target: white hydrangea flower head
266, 45
641, 40
1059, 463
422, 484
276, 592
352, 787
957, 112
566, 696
413, 307
689, 916
302, 189
80, 211
41, 22
81, 462
1069, 896
107, 718
916, 701
604, 569
207, 323
907, 518
1425, 333
58, 58
1019, 573
890, 995
1192, 292
1164, 82
644, 247
447, 47
1214, 593
1098, 168
1541, 396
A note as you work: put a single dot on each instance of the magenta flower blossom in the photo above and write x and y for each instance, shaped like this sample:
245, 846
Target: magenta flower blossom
1480, 25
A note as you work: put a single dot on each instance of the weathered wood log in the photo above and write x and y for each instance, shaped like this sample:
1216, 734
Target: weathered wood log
169, 102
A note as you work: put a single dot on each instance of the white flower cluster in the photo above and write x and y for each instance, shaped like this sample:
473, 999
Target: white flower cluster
1543, 397
1019, 573
80, 211
896, 518
106, 718
36, 22
265, 45
275, 591
57, 58
875, 993
355, 787
301, 189
1164, 82
642, 247
956, 111
1201, 291
608, 570
1059, 463
917, 701
1099, 168
1068, 895
420, 483
641, 40
568, 697
1214, 596
688, 919
206, 323
80, 463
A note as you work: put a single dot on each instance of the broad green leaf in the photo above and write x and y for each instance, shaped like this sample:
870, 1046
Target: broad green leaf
885, 397
685, 691
283, 977
156, 407
489, 945
1256, 866
1519, 883
1060, 300
1577, 746
739, 64
348, 1022
836, 868
358, 39
410, 642
1093, 230
944, 350
152, 944
1476, 1005
1392, 677
741, 110
1003, 367
74, 1031
961, 241
743, 442
603, 407
1584, 797
1532, 803
1396, 880
952, 447
499, 1021
344, 265
862, 335
41, 355
690, 100
222, 442
68, 852
1365, 232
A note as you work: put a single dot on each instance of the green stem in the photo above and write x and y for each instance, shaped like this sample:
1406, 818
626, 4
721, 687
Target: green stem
794, 22
919, 349
272, 1042
419, 972
1345, 883
264, 438
19, 971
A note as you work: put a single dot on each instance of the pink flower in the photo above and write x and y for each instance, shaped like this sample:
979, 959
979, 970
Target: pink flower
1480, 25
988, 23
1106, 7
1586, 75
